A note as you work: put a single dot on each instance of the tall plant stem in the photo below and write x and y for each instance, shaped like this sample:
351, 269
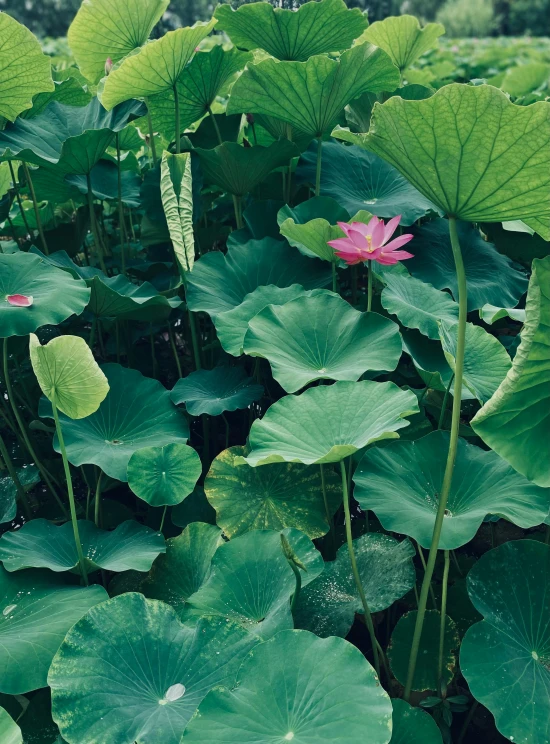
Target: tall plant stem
193, 328
174, 349
5, 457
177, 113
94, 225
163, 518
444, 403
355, 570
237, 208
18, 197
216, 127
443, 621
369, 285
334, 278
122, 226
152, 144
97, 501
22, 429
70, 494
328, 515
36, 210
423, 561
318, 167
298, 587
451, 457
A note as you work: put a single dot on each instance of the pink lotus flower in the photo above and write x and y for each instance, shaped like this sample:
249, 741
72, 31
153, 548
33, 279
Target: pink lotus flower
370, 242
108, 65
18, 300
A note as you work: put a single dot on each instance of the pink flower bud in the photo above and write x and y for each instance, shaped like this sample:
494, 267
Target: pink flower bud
108, 65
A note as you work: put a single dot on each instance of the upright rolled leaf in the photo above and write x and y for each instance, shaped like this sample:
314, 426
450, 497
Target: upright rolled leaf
402, 38
176, 191
102, 29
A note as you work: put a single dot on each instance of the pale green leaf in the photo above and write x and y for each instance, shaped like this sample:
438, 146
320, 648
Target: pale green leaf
176, 191
402, 38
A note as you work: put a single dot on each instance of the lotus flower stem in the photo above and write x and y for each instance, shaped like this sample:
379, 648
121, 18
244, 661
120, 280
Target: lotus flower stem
93, 224
122, 226
444, 403
451, 457
152, 144
423, 561
334, 278
163, 518
36, 210
97, 501
70, 493
298, 586
237, 208
369, 286
177, 123
318, 167
18, 197
443, 621
5, 457
216, 127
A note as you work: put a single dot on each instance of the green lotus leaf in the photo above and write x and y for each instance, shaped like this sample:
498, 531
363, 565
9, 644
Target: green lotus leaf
37, 611
24, 69
312, 238
55, 295
156, 67
311, 95
232, 325
198, 86
29, 476
106, 686
178, 574
268, 128
358, 180
413, 725
316, 207
177, 200
401, 484
164, 476
468, 149
69, 91
43, 544
104, 183
213, 391
238, 169
417, 304
74, 137
523, 79
514, 422
68, 375
251, 581
117, 297
486, 363
97, 33
290, 689
136, 413
329, 422
270, 498
402, 38
328, 605
10, 733
325, 26
504, 658
490, 277
358, 112
425, 676
221, 282
490, 314
322, 338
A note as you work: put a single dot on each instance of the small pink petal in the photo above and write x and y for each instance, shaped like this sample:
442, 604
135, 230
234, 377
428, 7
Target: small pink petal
398, 242
19, 300
398, 255
391, 227
351, 261
342, 244
377, 234
358, 240
371, 225
345, 227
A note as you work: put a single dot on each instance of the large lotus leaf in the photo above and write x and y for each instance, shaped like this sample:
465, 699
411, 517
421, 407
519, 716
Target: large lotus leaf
37, 611
425, 676
270, 498
136, 413
310, 225
75, 137
68, 91
103, 180
251, 581
490, 277
523, 79
55, 295
486, 361
401, 484
117, 297
178, 574
232, 325
221, 282
164, 476
68, 375
330, 422
10, 733
311, 95
24, 69
358, 180
515, 421
322, 338
295, 687
156, 67
402, 38
129, 670
417, 304
198, 86
316, 27
176, 188
358, 112
413, 725
504, 658
468, 149
328, 605
43, 544
101, 31
238, 169
213, 391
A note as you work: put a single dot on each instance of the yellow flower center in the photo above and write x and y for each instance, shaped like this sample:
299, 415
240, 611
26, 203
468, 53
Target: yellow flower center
370, 249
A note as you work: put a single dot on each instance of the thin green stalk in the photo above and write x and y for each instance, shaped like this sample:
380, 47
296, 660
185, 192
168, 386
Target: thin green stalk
226, 422
444, 403
70, 493
36, 210
97, 501
93, 224
216, 127
443, 621
5, 457
18, 197
177, 113
369, 285
298, 587
122, 226
328, 515
451, 457
163, 518
355, 570
318, 168
334, 278
237, 209
152, 144
423, 561
174, 350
